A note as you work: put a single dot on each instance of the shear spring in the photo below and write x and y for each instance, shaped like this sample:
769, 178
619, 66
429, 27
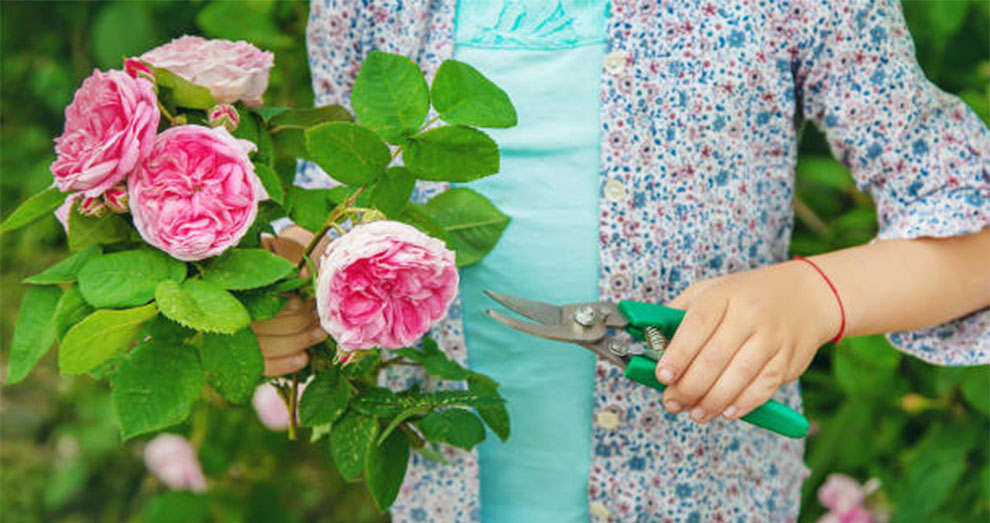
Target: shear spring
655, 340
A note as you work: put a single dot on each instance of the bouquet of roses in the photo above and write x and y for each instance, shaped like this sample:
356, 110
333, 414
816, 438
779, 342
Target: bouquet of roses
167, 174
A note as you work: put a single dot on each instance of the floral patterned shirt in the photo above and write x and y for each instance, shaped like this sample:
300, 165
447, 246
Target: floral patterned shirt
701, 103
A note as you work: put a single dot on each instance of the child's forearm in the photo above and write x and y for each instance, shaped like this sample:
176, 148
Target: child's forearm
898, 285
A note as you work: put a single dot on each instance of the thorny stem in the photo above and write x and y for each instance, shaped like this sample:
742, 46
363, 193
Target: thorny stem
171, 119
327, 225
293, 399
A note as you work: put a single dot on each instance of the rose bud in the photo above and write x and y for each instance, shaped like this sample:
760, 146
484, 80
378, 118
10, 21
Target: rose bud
225, 115
384, 284
116, 198
138, 69
92, 207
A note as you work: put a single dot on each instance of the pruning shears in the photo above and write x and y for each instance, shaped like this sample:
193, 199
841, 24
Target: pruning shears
589, 325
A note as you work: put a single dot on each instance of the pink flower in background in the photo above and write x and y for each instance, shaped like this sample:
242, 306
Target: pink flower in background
384, 284
196, 194
844, 497
110, 127
232, 71
173, 460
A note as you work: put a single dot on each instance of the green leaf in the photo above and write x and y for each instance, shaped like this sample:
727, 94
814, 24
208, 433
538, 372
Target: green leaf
233, 364
155, 387
383, 403
393, 190
434, 361
363, 366
271, 182
325, 399
107, 229
290, 284
385, 468
865, 366
473, 224
451, 153
127, 278
390, 96
262, 305
184, 92
347, 152
976, 388
34, 332
162, 329
67, 270
496, 416
946, 18
415, 214
33, 209
202, 306
71, 309
935, 468
101, 335
351, 438
309, 208
268, 112
306, 118
458, 427
380, 402
241, 269
462, 95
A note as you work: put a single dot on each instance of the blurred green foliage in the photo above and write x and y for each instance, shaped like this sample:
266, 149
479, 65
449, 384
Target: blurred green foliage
921, 430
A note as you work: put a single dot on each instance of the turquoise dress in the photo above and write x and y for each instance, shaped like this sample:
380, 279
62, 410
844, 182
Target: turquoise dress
547, 55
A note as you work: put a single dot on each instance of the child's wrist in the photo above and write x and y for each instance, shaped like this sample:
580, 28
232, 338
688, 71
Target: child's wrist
826, 300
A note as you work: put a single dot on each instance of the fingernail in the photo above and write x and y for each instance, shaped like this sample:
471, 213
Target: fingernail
729, 412
294, 304
665, 375
673, 406
317, 333
698, 414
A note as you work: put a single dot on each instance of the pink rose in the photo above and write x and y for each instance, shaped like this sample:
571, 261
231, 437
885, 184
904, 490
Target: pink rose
173, 460
270, 408
840, 493
136, 68
196, 194
110, 127
232, 71
384, 284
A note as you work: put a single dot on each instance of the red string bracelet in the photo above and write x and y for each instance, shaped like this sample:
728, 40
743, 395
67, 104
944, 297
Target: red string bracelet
842, 310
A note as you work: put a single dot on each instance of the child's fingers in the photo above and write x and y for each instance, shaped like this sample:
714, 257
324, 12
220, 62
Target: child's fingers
278, 346
706, 368
741, 371
684, 299
700, 321
770, 378
285, 365
285, 324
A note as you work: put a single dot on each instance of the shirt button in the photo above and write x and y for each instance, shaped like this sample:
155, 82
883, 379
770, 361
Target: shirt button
614, 190
598, 510
615, 62
607, 420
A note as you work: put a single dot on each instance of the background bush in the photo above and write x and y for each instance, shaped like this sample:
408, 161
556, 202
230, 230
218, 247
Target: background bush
921, 430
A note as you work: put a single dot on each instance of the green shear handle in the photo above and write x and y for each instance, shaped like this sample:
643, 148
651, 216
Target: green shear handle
772, 415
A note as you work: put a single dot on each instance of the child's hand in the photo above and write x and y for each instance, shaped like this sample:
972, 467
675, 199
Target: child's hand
743, 336
283, 339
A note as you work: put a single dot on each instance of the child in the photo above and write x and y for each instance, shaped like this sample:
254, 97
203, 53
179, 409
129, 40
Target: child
654, 161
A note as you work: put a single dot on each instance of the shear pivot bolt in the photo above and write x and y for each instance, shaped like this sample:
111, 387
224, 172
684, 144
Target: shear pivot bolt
585, 316
617, 347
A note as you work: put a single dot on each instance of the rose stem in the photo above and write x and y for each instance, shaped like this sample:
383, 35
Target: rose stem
293, 399
171, 119
327, 225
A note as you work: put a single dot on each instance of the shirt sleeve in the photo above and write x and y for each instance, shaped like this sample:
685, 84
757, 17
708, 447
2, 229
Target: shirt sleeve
921, 153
